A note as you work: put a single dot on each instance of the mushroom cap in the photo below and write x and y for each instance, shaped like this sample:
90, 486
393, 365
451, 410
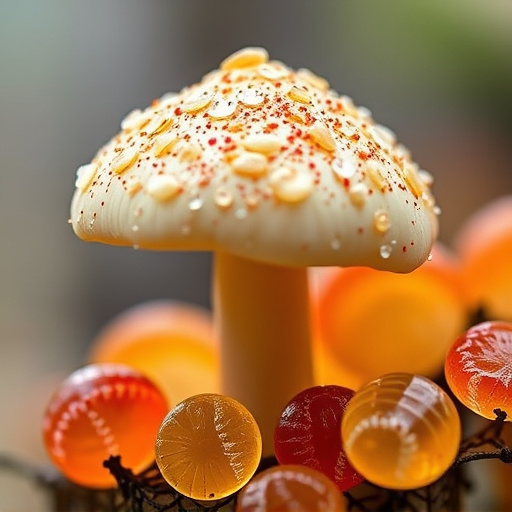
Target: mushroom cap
263, 162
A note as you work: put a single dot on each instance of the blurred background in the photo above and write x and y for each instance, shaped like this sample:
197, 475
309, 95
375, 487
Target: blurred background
438, 73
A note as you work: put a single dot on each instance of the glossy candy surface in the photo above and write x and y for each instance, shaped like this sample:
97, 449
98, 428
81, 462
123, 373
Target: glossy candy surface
290, 488
478, 368
208, 447
401, 431
98, 411
308, 433
171, 342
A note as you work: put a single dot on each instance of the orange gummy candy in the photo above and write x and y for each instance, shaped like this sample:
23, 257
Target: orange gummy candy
98, 411
290, 488
478, 368
401, 431
208, 447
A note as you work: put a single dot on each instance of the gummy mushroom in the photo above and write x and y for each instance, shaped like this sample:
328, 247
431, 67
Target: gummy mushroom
273, 172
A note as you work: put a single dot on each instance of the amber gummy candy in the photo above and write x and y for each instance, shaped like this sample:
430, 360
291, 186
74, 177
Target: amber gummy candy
208, 447
401, 431
292, 488
98, 411
478, 368
368, 323
171, 342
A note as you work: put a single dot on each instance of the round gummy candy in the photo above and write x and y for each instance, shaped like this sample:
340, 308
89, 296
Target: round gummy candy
208, 447
478, 368
308, 433
98, 411
171, 342
370, 323
290, 488
401, 431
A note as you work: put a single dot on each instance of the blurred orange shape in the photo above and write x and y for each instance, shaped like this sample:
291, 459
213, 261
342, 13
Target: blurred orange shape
369, 322
484, 246
328, 370
171, 342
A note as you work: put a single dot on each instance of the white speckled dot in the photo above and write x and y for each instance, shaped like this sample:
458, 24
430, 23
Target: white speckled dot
197, 103
250, 164
343, 168
163, 187
241, 213
158, 125
222, 108
374, 173
290, 186
426, 177
245, 58
273, 71
223, 198
312, 79
135, 119
385, 251
322, 136
195, 204
124, 160
189, 151
383, 135
381, 221
84, 176
251, 97
164, 143
358, 194
262, 143
335, 244
133, 185
299, 94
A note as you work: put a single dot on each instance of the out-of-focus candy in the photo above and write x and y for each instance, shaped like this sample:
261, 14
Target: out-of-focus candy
484, 246
478, 368
290, 488
328, 370
368, 323
401, 431
171, 342
308, 433
208, 447
98, 411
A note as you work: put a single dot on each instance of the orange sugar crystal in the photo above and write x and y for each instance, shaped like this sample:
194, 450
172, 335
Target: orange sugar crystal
401, 431
98, 411
171, 342
208, 447
292, 488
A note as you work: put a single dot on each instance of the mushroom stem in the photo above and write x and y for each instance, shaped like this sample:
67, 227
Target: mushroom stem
262, 316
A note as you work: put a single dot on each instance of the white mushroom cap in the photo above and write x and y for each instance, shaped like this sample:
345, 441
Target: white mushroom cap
263, 162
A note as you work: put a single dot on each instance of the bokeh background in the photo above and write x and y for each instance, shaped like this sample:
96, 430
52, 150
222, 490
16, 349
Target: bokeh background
438, 73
